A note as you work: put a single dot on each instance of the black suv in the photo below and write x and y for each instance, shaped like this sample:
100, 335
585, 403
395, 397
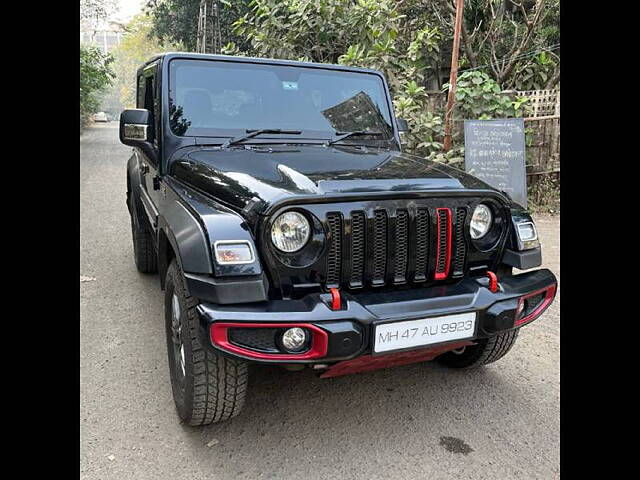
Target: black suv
288, 228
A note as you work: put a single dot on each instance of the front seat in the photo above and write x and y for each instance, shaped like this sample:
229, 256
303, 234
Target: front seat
197, 108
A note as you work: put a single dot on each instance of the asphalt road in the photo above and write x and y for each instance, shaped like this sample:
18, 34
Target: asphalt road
418, 421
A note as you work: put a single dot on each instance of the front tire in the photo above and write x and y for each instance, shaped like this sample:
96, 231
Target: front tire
485, 351
207, 387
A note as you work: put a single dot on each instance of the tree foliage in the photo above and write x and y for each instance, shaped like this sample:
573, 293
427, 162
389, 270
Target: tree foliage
176, 21
137, 46
506, 44
94, 13
96, 73
479, 96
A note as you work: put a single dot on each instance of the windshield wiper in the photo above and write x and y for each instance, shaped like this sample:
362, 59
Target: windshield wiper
253, 133
343, 135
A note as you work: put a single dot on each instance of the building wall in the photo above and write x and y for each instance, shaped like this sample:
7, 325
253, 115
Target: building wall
105, 39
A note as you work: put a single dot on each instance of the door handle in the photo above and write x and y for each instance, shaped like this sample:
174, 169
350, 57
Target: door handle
186, 165
144, 168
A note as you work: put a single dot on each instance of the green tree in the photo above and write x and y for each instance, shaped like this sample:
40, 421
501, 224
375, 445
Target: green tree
96, 74
93, 13
517, 42
176, 21
137, 46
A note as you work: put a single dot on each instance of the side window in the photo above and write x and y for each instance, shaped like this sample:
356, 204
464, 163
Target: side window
148, 101
148, 104
140, 93
146, 98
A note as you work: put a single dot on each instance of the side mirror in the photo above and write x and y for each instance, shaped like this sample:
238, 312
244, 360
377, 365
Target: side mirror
135, 127
402, 125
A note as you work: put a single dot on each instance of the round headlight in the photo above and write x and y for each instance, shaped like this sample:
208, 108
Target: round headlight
290, 232
480, 221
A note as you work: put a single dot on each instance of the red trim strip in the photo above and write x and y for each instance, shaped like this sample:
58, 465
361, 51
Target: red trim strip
447, 260
319, 340
336, 303
548, 298
367, 363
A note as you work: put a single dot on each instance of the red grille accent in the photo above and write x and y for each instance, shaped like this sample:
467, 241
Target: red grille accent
443, 251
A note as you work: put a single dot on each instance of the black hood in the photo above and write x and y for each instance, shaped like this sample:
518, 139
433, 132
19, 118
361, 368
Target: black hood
260, 177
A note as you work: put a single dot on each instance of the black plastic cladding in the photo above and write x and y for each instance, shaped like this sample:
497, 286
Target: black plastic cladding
346, 222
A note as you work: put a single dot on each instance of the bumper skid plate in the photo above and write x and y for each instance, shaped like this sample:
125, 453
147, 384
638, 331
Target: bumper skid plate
347, 334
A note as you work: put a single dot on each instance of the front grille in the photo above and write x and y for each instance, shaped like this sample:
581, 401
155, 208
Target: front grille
395, 246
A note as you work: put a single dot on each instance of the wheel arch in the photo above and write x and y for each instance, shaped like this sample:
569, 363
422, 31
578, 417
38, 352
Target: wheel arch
166, 253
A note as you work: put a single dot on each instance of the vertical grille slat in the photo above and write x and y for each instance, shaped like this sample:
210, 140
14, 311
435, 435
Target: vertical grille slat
461, 246
402, 245
422, 244
334, 258
379, 247
358, 247
443, 253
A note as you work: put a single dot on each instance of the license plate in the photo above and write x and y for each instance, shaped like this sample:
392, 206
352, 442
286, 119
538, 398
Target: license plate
424, 331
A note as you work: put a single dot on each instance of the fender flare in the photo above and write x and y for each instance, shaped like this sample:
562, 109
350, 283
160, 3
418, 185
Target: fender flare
197, 223
134, 182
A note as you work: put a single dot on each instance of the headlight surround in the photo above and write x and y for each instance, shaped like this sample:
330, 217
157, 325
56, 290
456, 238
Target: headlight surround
290, 232
481, 221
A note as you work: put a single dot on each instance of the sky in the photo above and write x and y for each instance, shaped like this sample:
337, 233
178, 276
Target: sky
128, 8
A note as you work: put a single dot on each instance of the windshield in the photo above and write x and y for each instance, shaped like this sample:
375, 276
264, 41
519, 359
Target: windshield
224, 99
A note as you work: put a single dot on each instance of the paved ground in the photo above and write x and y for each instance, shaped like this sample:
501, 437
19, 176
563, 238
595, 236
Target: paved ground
419, 421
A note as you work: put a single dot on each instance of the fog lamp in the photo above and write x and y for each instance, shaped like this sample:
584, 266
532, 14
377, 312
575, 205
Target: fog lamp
294, 339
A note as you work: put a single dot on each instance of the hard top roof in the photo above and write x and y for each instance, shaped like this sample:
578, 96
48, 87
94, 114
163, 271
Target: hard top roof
268, 61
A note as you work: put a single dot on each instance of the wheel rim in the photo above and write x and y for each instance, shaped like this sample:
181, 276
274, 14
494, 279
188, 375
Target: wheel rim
176, 329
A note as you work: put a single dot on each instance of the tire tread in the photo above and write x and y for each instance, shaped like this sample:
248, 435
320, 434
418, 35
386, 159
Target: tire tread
219, 383
485, 352
143, 249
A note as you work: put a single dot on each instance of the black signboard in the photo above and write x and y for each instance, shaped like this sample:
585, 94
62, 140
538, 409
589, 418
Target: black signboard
494, 151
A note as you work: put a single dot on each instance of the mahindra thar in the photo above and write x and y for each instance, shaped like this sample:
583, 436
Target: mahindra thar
288, 227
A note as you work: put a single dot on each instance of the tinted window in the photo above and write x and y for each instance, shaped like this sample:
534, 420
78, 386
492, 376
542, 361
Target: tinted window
224, 98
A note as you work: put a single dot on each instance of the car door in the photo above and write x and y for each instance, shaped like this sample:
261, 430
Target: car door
147, 98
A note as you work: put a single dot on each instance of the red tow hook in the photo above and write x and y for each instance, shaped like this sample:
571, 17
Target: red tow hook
336, 303
493, 282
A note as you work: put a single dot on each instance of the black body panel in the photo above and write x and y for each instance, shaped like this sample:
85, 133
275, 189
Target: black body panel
389, 231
